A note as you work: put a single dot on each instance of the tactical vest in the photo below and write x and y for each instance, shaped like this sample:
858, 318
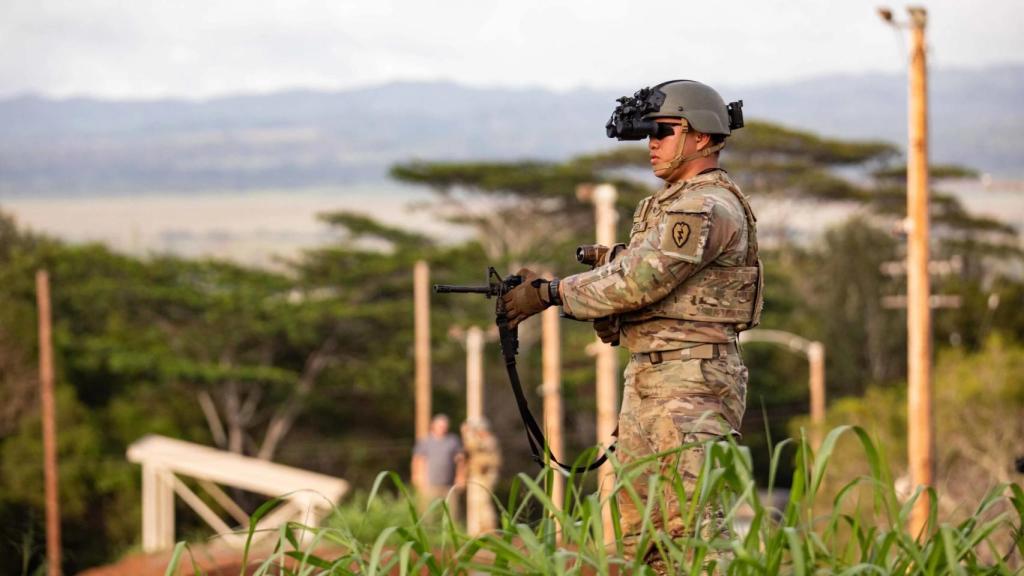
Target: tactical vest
722, 294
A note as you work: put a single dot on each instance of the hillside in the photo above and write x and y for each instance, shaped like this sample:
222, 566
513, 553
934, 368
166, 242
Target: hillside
309, 138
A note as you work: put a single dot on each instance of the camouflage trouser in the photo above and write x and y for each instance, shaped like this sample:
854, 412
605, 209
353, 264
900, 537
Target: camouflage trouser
665, 406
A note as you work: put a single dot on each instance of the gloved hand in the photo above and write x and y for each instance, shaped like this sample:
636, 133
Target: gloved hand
527, 299
607, 329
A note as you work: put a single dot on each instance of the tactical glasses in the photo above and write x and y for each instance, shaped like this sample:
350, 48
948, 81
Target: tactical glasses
663, 130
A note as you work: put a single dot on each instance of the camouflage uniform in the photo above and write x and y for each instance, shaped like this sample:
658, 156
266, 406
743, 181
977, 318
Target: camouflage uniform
686, 231
484, 465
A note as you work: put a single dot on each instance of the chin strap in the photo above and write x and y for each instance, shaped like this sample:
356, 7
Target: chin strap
667, 167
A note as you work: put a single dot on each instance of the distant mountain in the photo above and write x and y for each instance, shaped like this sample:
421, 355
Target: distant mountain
308, 138
975, 116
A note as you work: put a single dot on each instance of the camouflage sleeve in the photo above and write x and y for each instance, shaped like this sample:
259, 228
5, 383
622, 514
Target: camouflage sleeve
690, 234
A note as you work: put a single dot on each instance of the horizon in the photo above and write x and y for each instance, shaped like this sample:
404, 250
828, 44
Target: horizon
299, 89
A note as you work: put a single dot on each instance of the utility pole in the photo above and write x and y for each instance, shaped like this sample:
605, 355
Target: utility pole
898, 268
46, 400
421, 327
551, 362
920, 441
603, 196
920, 428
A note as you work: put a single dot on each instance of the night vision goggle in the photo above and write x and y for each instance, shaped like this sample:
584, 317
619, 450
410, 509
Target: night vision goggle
628, 121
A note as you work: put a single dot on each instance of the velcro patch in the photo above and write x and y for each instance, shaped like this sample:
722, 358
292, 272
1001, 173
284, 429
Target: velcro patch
640, 217
684, 234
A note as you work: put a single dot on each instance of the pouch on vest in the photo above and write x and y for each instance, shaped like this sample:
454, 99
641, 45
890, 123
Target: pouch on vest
724, 294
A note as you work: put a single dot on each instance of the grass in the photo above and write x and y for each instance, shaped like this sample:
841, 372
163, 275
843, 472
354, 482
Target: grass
826, 527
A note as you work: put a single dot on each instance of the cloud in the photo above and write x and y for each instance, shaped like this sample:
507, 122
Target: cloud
196, 49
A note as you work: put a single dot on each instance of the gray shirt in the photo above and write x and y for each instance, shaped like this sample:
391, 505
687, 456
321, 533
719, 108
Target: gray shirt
439, 454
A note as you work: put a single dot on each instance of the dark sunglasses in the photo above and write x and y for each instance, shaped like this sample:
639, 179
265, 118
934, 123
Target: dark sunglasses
662, 130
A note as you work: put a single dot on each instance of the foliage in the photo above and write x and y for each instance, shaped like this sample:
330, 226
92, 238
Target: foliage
764, 139
979, 433
361, 226
839, 285
936, 171
524, 179
364, 516
539, 536
310, 364
141, 343
528, 206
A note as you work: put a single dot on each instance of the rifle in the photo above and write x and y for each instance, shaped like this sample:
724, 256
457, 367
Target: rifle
509, 338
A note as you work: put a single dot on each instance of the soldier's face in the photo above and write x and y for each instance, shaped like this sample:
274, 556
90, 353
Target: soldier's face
664, 150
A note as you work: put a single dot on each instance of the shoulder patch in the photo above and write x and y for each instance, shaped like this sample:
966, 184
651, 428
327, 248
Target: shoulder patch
681, 233
684, 234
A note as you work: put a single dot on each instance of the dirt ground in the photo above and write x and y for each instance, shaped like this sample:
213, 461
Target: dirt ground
214, 562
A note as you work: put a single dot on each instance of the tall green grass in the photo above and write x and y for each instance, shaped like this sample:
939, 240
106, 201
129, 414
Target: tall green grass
855, 526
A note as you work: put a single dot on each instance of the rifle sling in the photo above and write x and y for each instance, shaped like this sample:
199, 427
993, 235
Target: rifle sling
538, 444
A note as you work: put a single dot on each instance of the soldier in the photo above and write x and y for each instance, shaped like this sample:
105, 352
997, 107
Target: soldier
483, 462
677, 295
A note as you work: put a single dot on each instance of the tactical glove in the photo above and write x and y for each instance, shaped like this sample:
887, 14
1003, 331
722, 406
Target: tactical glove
527, 299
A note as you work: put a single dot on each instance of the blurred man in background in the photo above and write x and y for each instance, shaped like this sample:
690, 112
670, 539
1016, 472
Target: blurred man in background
438, 466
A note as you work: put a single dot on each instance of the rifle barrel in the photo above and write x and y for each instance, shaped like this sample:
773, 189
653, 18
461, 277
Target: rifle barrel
450, 289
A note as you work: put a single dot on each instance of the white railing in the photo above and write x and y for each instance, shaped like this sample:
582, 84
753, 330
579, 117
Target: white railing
306, 496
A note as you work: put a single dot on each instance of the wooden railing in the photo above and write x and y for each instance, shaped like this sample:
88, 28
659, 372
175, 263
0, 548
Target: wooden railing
306, 497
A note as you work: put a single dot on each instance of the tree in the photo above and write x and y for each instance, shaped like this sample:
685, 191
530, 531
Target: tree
321, 351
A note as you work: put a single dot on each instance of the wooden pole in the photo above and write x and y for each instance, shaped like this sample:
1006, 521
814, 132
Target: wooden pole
53, 552
476, 495
551, 362
816, 361
474, 375
604, 197
421, 303
920, 443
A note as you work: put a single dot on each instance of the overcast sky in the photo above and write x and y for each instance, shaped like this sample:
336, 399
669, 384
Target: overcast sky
203, 48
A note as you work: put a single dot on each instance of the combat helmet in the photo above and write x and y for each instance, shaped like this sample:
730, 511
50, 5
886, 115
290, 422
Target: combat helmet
699, 104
